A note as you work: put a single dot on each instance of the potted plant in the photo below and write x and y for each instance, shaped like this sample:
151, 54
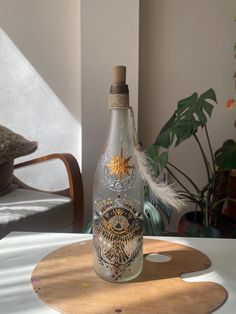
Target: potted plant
192, 114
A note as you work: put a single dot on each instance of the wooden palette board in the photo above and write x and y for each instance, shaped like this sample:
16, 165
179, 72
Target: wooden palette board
65, 280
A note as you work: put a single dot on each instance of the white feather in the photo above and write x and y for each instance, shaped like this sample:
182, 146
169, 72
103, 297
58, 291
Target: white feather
164, 192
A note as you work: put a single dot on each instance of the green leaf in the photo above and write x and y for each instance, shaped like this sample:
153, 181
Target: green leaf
191, 113
225, 156
186, 103
147, 227
159, 160
168, 123
209, 94
162, 160
88, 228
165, 209
153, 152
154, 223
164, 138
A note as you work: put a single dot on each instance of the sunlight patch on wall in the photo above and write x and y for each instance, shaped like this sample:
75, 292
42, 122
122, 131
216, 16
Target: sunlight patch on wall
29, 107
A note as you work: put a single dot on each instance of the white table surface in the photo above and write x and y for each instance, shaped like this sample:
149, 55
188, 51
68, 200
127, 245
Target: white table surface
20, 252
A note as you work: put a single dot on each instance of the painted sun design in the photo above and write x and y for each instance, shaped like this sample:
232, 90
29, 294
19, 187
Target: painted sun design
119, 165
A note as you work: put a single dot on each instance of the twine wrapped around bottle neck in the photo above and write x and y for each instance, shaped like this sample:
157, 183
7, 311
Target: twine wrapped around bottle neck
118, 101
121, 101
134, 130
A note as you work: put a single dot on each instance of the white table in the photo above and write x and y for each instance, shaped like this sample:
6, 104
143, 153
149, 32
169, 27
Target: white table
20, 252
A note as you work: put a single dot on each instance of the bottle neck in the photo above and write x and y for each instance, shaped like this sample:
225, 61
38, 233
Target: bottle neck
119, 128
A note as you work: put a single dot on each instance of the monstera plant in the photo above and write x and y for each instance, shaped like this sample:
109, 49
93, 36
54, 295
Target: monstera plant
192, 114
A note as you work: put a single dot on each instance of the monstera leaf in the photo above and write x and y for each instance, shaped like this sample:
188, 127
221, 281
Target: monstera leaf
88, 228
153, 223
225, 156
191, 113
158, 159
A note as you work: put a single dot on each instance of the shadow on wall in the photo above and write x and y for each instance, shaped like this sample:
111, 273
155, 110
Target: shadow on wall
28, 106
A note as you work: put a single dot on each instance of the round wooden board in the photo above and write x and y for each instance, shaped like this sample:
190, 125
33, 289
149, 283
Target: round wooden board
65, 280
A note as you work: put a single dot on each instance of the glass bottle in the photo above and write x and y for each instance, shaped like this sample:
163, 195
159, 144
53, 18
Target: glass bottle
118, 195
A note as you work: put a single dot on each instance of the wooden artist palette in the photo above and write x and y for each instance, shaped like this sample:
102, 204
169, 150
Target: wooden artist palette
65, 280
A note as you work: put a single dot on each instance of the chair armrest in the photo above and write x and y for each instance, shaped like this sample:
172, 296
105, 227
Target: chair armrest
75, 183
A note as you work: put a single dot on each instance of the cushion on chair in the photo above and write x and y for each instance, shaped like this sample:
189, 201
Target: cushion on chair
13, 145
26, 210
6, 174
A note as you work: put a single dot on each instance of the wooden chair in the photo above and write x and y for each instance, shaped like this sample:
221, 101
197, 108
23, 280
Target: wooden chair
33, 202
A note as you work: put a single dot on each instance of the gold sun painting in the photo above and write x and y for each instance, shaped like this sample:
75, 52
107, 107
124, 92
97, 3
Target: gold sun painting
119, 165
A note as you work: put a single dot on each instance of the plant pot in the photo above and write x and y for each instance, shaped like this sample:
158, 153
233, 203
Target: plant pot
191, 224
227, 228
230, 207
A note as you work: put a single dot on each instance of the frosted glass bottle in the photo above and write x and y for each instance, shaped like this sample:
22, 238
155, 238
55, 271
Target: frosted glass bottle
118, 196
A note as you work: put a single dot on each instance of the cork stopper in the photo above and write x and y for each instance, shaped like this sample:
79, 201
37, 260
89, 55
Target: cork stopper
119, 91
118, 83
119, 74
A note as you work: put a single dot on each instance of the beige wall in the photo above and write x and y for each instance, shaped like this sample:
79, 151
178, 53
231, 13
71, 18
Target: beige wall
186, 46
48, 34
